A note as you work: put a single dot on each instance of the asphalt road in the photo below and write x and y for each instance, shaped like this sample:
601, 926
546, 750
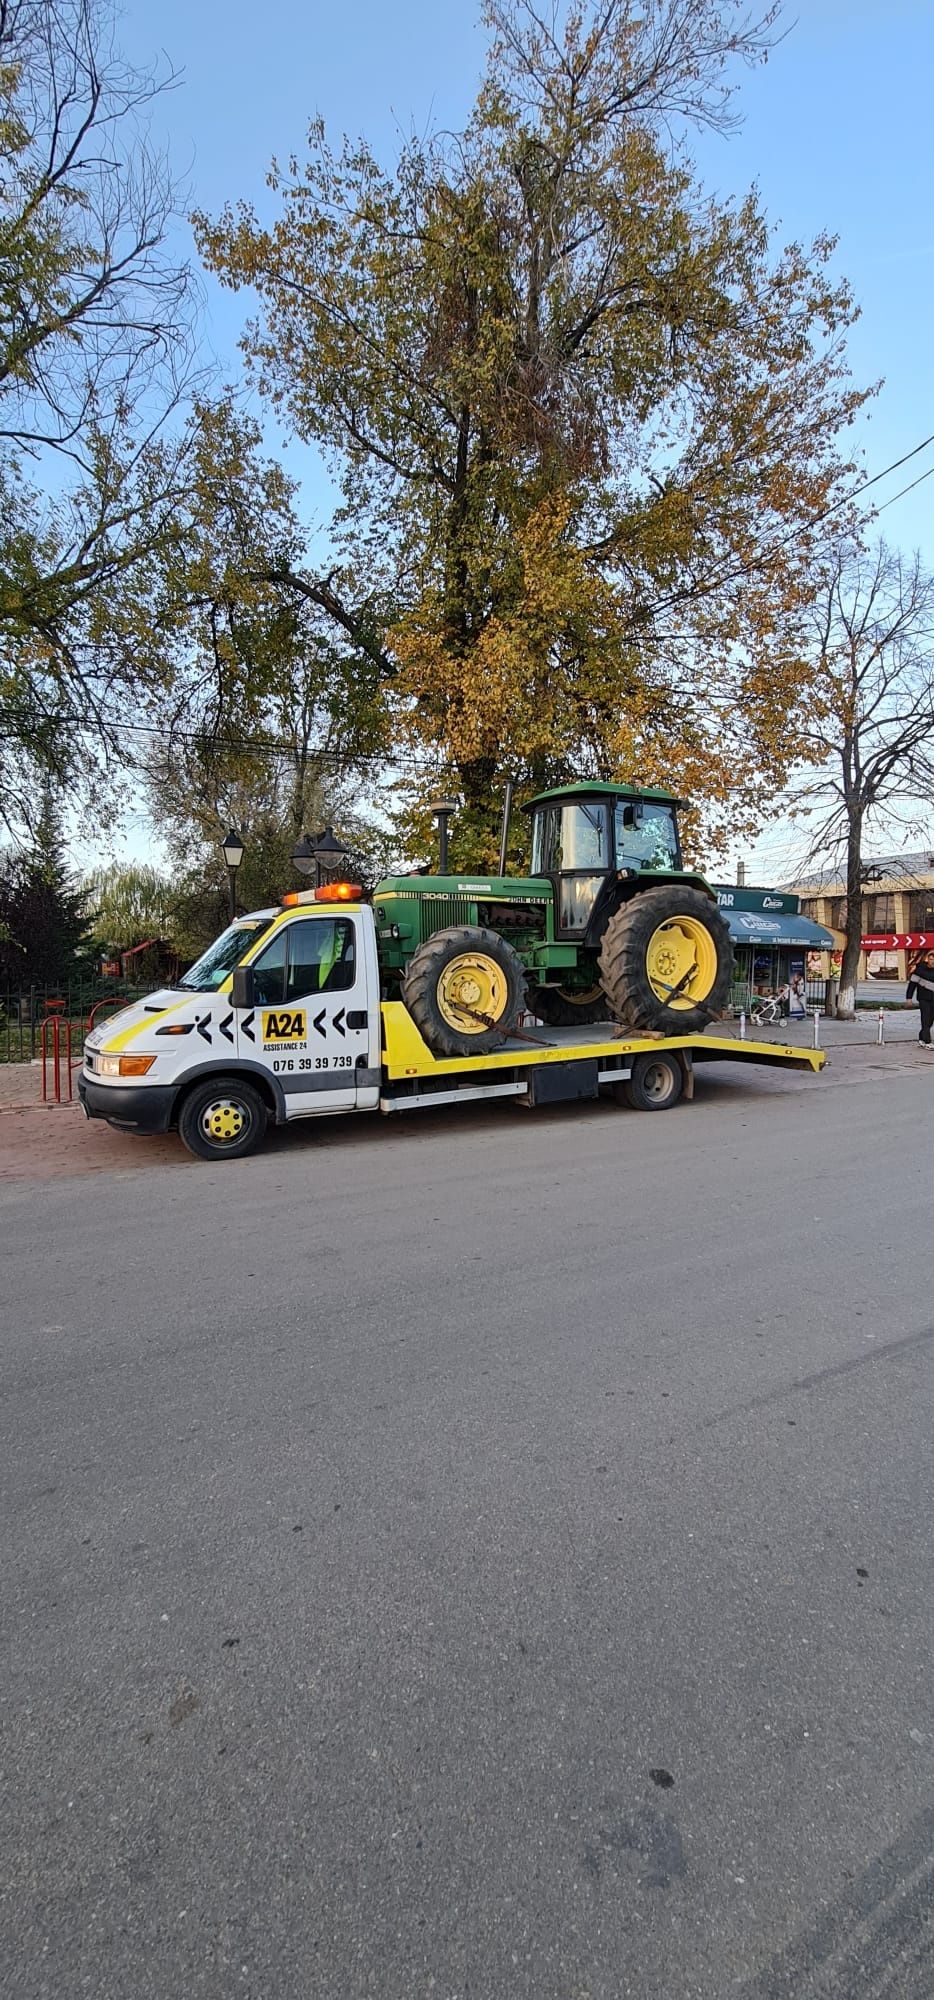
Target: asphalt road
477, 1560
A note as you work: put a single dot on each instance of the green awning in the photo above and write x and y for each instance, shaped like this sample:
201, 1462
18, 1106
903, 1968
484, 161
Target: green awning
748, 927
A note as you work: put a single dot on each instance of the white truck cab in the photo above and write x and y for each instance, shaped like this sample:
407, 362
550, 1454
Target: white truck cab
299, 1037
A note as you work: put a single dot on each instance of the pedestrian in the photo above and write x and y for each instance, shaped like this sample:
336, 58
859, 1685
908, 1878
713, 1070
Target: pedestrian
921, 988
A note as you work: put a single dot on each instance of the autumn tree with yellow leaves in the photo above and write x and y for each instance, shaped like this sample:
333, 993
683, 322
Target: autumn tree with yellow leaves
585, 417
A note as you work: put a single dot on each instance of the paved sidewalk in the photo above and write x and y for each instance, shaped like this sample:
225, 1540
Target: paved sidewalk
45, 1142
20, 1084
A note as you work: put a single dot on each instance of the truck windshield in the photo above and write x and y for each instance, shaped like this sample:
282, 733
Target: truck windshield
211, 969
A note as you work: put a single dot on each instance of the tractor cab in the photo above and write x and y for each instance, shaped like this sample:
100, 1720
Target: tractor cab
585, 837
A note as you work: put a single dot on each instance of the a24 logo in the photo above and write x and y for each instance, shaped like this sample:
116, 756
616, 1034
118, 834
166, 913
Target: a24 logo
284, 1025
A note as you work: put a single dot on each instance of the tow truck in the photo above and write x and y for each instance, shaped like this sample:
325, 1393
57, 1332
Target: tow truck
285, 1017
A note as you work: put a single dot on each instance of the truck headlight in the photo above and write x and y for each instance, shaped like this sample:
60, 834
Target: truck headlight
124, 1065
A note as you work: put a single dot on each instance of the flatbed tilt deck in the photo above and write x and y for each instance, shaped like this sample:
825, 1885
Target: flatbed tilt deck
548, 1065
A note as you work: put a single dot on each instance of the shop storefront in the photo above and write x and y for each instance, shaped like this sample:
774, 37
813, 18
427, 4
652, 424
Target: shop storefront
775, 949
896, 916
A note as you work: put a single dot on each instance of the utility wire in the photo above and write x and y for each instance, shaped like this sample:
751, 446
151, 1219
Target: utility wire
922, 476
267, 746
271, 747
894, 467
804, 527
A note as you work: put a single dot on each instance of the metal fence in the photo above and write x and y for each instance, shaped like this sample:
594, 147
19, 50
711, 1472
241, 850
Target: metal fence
23, 1009
743, 995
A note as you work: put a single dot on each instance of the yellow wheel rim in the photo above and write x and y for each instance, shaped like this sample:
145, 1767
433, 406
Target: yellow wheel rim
681, 950
223, 1122
472, 992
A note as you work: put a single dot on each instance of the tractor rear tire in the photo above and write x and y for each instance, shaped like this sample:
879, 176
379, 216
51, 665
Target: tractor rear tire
667, 937
561, 1008
465, 990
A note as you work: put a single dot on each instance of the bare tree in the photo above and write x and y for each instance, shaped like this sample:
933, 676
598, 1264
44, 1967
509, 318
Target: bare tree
94, 316
96, 359
869, 732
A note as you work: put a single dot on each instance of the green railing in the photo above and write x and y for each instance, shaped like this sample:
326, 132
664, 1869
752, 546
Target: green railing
22, 1010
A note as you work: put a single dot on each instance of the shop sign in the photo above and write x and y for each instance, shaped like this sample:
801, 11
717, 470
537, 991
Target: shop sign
757, 927
897, 940
757, 899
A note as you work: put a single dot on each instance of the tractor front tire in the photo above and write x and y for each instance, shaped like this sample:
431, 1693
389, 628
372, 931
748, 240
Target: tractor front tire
666, 961
561, 1008
465, 990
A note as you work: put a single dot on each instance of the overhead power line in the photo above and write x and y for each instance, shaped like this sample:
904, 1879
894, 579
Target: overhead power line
390, 760
267, 746
922, 476
895, 466
727, 575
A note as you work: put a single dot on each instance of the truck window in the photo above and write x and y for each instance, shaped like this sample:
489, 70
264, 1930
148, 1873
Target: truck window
269, 973
313, 955
321, 957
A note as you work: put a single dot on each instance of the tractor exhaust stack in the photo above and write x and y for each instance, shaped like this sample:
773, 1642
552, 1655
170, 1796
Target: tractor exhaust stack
504, 835
441, 810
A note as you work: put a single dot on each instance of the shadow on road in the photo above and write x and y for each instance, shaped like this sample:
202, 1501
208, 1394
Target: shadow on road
52, 1142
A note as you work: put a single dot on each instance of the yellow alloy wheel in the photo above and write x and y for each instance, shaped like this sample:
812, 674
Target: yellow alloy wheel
472, 992
578, 996
681, 950
223, 1121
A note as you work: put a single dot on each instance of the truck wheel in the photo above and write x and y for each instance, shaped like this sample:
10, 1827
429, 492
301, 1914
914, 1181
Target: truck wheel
666, 961
222, 1119
656, 1083
465, 990
563, 1008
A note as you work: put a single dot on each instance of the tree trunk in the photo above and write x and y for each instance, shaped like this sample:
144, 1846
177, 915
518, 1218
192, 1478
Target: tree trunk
846, 991
475, 836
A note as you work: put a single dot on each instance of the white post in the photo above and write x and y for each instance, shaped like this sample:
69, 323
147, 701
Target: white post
881, 1034
817, 1027
742, 1025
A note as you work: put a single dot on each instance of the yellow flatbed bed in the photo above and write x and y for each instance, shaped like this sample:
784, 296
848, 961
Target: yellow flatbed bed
583, 1060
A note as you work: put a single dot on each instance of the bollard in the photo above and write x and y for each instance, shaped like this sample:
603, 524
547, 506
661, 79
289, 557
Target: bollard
817, 1027
880, 1038
742, 1025
55, 1023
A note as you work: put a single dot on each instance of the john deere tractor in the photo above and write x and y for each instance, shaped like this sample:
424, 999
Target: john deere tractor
608, 922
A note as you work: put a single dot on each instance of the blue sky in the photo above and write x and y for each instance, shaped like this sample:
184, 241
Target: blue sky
837, 134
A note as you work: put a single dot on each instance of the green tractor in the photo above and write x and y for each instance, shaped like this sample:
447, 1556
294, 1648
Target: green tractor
608, 922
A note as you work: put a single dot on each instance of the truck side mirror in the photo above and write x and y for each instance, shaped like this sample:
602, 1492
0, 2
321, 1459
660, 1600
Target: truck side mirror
243, 987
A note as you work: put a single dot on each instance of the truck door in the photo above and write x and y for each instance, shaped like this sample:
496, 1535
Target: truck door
310, 1022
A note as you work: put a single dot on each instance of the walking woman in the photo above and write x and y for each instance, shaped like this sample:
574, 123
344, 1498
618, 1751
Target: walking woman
921, 988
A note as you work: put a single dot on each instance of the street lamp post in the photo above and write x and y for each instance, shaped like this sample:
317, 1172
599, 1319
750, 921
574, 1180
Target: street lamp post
323, 857
232, 849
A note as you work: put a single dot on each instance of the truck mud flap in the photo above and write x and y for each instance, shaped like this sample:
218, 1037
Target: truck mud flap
556, 1083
